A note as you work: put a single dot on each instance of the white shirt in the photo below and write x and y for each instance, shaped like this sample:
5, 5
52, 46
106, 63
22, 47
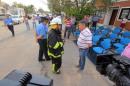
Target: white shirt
84, 39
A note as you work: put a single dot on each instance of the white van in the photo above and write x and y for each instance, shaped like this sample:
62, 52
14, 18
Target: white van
17, 19
17, 15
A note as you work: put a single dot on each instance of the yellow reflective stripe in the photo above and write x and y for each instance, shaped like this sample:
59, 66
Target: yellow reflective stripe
50, 46
53, 67
61, 44
57, 45
62, 52
50, 54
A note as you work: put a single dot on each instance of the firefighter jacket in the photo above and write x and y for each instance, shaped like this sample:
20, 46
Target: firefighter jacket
55, 44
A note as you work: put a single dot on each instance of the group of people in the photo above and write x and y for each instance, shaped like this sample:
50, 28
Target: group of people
51, 42
9, 23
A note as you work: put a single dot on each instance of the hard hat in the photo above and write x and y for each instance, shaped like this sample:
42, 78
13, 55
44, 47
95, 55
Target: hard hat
56, 21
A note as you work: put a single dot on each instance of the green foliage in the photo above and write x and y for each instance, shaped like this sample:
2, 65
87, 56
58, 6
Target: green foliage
28, 9
80, 12
40, 10
108, 4
76, 8
54, 6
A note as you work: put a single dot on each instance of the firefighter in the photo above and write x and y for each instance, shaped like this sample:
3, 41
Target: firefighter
55, 45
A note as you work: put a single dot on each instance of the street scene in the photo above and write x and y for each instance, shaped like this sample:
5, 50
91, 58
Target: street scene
68, 43
17, 56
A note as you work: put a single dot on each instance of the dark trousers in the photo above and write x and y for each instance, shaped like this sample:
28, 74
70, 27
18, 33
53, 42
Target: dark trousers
94, 25
11, 28
56, 64
67, 30
73, 29
43, 49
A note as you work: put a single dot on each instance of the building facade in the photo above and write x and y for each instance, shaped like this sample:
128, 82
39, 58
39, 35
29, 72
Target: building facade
118, 11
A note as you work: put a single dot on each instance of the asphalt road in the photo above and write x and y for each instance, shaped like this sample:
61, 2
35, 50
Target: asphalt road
21, 52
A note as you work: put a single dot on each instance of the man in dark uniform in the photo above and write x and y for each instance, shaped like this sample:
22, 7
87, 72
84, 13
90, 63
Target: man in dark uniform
9, 23
41, 36
55, 45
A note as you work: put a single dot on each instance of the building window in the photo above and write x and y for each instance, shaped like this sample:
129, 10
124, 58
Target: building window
129, 16
125, 12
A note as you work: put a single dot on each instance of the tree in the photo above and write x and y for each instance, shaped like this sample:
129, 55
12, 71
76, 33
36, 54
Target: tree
18, 5
41, 10
108, 3
6, 6
28, 9
78, 8
55, 6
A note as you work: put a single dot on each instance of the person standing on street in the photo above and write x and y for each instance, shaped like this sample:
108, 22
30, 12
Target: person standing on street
95, 20
41, 36
89, 20
123, 23
84, 43
55, 45
27, 22
38, 18
34, 22
68, 28
73, 21
9, 23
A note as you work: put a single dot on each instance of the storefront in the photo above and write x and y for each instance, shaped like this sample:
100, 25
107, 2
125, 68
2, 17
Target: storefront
118, 12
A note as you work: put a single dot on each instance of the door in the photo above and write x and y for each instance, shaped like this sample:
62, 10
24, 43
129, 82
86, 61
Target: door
113, 17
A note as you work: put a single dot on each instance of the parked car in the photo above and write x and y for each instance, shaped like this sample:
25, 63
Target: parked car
17, 19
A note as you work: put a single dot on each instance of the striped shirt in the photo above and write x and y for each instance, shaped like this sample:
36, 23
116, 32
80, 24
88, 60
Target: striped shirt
84, 39
68, 23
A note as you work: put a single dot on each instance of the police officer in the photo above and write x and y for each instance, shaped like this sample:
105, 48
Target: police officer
55, 45
41, 36
9, 23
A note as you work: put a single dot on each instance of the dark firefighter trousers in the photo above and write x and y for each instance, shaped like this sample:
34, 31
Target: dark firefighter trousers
56, 64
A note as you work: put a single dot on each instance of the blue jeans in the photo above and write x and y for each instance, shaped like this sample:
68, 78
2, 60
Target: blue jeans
73, 29
82, 54
27, 25
34, 25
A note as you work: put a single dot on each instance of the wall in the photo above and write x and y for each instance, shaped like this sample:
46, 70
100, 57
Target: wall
117, 21
121, 5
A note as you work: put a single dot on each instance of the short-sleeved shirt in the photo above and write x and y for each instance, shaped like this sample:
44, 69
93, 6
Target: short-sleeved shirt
95, 18
8, 21
38, 18
42, 30
85, 37
68, 23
